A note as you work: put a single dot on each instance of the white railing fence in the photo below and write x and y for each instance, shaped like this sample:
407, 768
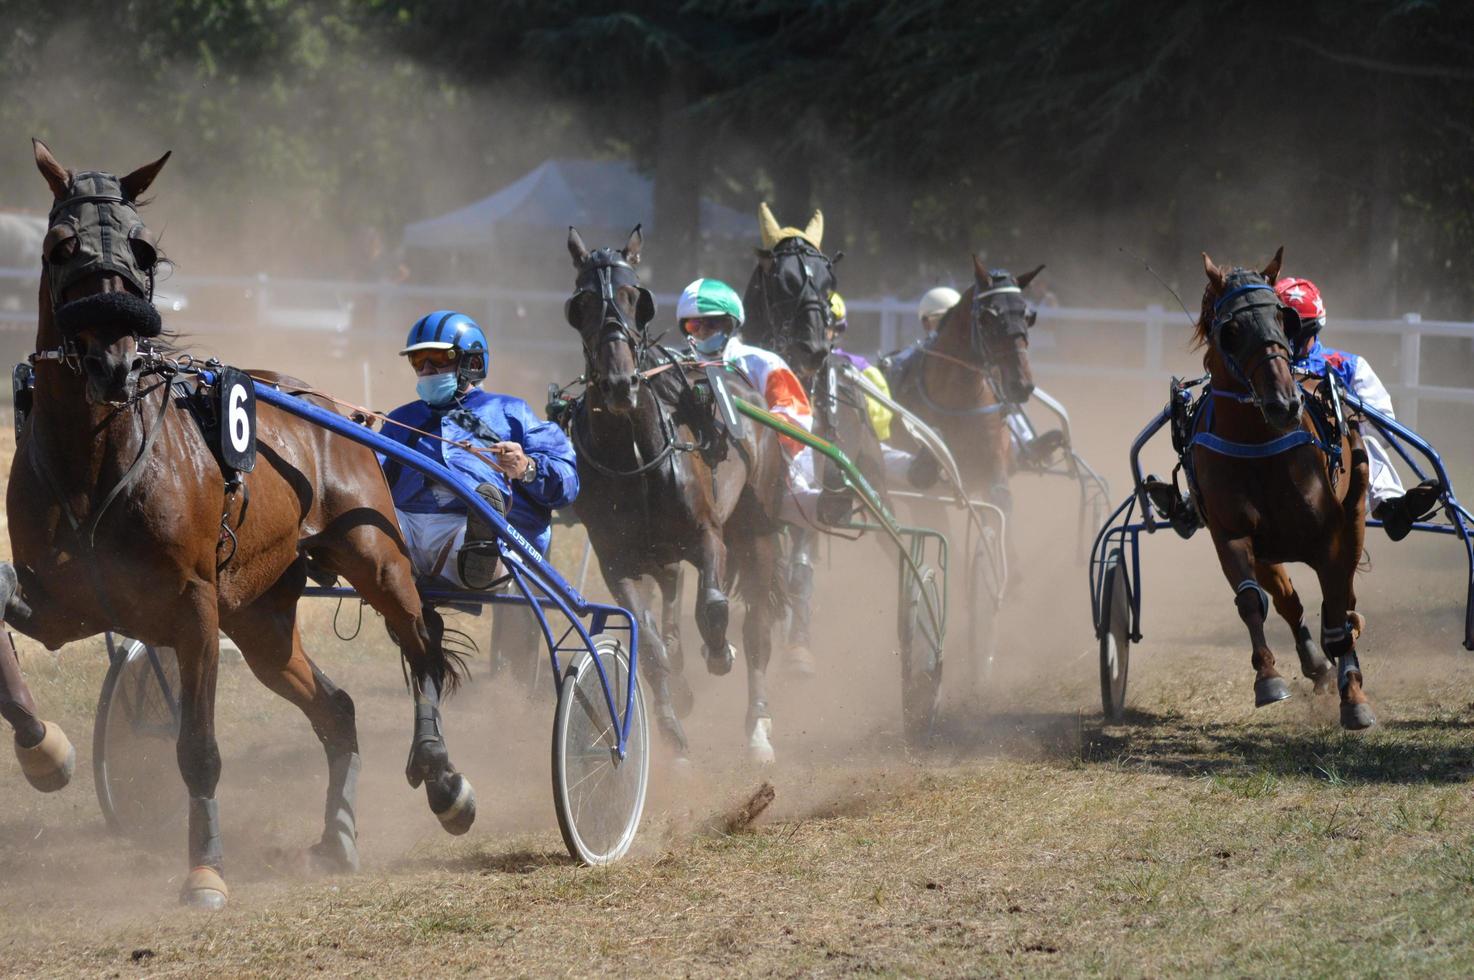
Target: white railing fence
1144, 344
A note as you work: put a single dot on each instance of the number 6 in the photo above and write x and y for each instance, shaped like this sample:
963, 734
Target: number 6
240, 422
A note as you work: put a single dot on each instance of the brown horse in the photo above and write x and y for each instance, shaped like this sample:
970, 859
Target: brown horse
118, 509
660, 485
961, 380
1269, 494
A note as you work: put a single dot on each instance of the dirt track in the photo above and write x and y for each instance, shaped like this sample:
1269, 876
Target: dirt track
1200, 836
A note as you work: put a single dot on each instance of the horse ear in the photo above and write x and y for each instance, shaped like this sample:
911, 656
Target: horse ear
767, 225
56, 175
1215, 274
1272, 271
631, 251
979, 270
1028, 277
576, 248
139, 180
815, 230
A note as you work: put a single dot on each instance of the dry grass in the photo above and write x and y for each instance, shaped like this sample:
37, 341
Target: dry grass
1200, 837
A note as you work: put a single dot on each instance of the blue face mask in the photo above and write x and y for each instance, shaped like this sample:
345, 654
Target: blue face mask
438, 389
711, 346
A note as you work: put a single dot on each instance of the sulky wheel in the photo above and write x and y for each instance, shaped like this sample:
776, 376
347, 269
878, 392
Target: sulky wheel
921, 656
599, 796
1115, 636
134, 764
984, 584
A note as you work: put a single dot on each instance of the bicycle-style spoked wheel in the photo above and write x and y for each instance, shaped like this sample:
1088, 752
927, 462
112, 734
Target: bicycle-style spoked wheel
1115, 637
984, 583
921, 656
599, 797
134, 765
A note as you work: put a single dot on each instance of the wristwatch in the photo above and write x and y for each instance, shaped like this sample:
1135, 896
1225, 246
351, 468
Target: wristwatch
529, 474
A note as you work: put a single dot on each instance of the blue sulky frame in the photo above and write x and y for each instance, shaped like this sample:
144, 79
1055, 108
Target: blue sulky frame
539, 583
1121, 532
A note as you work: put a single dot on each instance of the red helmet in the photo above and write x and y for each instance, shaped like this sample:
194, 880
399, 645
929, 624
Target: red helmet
1306, 313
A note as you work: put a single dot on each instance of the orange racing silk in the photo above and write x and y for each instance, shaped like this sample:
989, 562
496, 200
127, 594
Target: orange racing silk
781, 389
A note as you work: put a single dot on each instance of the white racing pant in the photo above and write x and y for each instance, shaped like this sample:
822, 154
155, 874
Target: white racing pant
1384, 483
434, 542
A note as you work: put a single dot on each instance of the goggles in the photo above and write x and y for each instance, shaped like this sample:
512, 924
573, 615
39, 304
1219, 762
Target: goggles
433, 357
696, 325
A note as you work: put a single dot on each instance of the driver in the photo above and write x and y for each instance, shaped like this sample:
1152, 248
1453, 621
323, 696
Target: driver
929, 312
1397, 509
523, 466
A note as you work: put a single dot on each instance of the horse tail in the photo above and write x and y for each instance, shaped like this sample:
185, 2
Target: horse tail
445, 663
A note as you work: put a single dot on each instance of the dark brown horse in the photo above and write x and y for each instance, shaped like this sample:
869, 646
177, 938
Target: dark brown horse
961, 380
1268, 490
660, 485
116, 508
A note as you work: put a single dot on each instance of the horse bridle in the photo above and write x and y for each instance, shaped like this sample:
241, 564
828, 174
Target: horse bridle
808, 297
1245, 305
603, 264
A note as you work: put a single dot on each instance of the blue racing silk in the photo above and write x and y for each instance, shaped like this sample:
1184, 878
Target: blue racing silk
1321, 359
482, 418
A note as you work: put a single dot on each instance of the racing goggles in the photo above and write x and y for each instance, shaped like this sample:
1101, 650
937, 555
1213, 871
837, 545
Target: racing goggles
433, 357
696, 326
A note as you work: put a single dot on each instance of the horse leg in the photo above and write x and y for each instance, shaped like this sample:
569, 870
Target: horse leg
197, 644
266, 631
654, 666
800, 599
372, 562
669, 579
1337, 600
47, 758
1236, 556
760, 561
711, 602
1313, 663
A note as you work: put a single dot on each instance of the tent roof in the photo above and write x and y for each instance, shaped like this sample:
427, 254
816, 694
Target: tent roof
606, 196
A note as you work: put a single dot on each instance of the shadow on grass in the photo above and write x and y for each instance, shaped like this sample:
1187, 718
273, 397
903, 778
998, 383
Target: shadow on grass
521, 862
1413, 751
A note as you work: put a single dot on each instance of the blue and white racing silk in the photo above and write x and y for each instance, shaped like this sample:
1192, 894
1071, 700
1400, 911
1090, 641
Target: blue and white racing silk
481, 418
1357, 375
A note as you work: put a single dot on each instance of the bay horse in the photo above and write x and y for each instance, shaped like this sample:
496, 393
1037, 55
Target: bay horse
1267, 486
966, 376
662, 486
118, 510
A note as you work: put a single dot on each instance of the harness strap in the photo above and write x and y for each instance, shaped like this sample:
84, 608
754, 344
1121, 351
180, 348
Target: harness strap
1253, 450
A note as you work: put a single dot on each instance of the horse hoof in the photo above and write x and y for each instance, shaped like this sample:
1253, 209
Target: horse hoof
670, 728
454, 806
1268, 690
681, 697
335, 854
759, 745
204, 889
1357, 717
720, 664
48, 765
801, 661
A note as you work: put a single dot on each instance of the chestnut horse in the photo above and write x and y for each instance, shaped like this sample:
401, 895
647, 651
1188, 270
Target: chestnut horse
963, 379
1268, 490
118, 509
661, 485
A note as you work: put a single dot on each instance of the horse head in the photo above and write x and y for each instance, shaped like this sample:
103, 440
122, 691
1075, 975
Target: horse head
1000, 328
787, 298
1243, 326
610, 308
97, 267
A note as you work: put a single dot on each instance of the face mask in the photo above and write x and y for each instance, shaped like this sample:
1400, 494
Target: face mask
437, 389
711, 346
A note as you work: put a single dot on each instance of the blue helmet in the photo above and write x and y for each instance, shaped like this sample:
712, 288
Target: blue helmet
449, 330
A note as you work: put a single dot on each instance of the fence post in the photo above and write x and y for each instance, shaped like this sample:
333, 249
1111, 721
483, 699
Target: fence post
1412, 354
1154, 313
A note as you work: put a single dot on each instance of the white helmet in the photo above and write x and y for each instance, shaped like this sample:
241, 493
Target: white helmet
938, 300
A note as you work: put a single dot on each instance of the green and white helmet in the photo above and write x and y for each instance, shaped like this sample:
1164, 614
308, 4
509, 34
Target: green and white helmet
710, 297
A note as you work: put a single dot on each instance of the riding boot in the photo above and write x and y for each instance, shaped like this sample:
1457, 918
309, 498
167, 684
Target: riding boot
924, 470
1176, 507
476, 563
1399, 514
